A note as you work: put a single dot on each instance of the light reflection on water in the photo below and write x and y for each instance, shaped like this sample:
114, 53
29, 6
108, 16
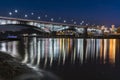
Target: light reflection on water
10, 47
47, 51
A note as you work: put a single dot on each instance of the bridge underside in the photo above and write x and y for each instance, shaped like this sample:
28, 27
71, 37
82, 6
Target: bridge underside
27, 29
19, 28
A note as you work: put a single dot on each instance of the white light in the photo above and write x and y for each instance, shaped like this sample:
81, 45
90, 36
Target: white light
74, 22
32, 13
10, 13
46, 16
82, 21
26, 15
38, 17
86, 24
52, 19
16, 11
64, 21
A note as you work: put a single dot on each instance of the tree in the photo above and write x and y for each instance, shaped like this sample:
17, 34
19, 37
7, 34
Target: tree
118, 30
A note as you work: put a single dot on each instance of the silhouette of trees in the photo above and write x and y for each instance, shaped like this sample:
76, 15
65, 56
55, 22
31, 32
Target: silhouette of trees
118, 30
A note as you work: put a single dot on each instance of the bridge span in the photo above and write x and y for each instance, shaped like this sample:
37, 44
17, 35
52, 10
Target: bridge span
48, 27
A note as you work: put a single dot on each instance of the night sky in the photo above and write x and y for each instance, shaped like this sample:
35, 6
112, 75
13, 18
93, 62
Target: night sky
103, 12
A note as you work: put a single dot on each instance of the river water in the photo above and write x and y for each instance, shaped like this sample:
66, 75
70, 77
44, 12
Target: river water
69, 58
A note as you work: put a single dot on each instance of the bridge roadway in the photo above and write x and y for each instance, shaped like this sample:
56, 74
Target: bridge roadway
42, 25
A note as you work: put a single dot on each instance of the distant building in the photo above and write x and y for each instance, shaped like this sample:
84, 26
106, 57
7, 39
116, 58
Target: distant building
102, 27
106, 30
112, 28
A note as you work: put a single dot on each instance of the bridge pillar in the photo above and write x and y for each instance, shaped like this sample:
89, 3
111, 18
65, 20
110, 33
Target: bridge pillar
85, 31
53, 34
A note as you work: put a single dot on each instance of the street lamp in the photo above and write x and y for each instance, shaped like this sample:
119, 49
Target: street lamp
46, 16
64, 21
82, 23
52, 19
10, 13
75, 22
32, 13
26, 15
38, 17
16, 11
87, 24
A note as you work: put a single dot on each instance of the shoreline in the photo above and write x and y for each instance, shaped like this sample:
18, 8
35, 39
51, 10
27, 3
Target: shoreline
83, 37
72, 37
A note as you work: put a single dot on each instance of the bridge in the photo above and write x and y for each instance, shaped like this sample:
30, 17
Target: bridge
41, 26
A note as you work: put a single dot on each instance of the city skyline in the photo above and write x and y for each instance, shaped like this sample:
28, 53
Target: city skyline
103, 12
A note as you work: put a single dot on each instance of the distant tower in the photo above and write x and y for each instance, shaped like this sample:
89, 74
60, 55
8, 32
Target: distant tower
102, 27
113, 28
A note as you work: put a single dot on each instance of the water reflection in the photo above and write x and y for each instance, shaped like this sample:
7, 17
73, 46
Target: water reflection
112, 51
108, 50
48, 51
10, 47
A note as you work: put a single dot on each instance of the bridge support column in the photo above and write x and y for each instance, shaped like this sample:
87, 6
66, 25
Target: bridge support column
85, 32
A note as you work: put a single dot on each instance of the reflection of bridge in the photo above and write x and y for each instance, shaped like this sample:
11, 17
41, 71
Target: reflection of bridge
43, 26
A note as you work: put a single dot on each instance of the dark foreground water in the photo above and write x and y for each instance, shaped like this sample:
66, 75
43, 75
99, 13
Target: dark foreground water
69, 58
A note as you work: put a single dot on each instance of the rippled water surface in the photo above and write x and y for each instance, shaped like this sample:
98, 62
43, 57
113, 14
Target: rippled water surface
69, 58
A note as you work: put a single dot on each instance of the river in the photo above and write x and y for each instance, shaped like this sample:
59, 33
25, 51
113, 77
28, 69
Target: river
69, 58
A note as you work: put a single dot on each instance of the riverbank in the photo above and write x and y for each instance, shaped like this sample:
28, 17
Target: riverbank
12, 69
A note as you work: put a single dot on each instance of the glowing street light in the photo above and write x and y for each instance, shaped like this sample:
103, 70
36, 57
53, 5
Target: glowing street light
26, 15
10, 13
81, 22
86, 24
38, 17
52, 19
32, 13
16, 11
46, 16
75, 22
64, 21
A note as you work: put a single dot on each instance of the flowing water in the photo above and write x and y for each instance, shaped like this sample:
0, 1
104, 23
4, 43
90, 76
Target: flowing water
69, 58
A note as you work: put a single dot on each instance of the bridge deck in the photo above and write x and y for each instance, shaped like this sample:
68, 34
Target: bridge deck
37, 21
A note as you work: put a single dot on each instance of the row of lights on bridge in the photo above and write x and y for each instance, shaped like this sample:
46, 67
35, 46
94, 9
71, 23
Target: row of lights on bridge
46, 16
